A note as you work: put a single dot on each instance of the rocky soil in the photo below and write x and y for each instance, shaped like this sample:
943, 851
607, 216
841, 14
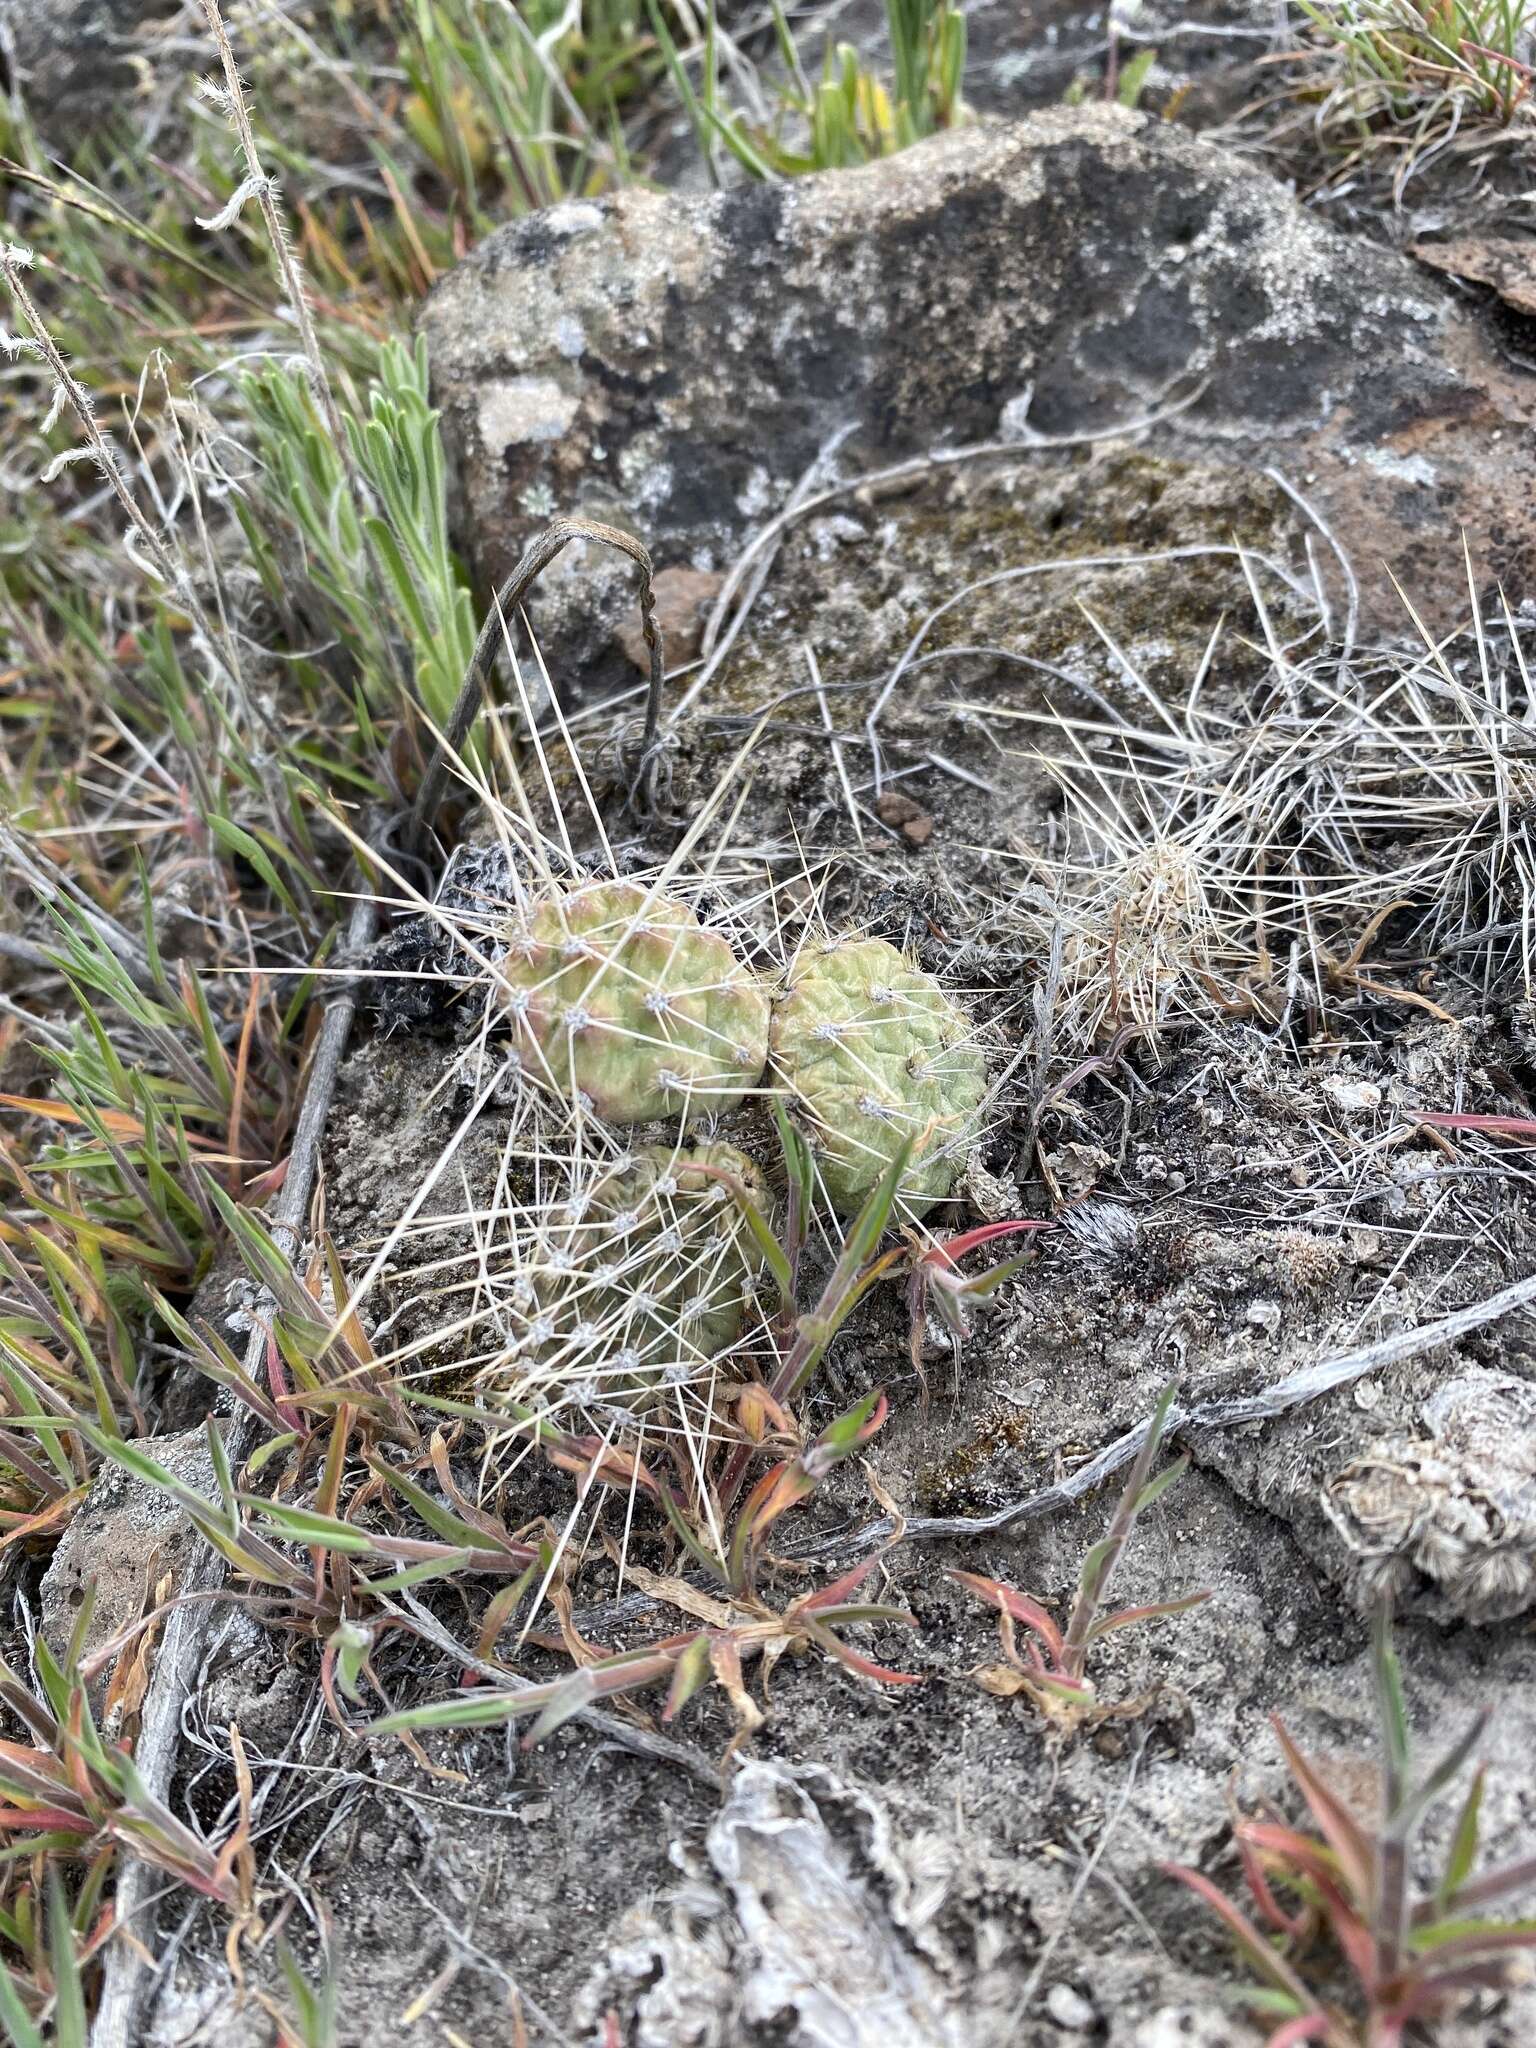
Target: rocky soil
1073, 413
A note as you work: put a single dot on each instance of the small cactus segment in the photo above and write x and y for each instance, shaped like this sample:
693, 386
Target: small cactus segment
645, 1277
622, 996
875, 1052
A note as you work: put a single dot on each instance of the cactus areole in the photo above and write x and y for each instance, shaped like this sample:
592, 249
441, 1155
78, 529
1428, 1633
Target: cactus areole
874, 1052
617, 996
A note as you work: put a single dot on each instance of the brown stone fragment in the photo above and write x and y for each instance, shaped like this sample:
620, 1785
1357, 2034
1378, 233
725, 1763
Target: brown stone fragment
683, 597
1508, 264
894, 807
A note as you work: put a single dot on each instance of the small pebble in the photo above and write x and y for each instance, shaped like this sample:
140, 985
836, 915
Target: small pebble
1069, 2009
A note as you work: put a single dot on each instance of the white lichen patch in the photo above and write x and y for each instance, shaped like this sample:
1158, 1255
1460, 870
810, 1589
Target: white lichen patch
525, 409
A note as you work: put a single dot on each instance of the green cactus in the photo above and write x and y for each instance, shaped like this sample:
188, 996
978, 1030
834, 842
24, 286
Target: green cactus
644, 1277
875, 1052
620, 996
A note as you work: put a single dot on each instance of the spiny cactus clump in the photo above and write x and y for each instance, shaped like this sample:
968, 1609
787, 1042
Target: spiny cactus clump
875, 1052
644, 1277
619, 995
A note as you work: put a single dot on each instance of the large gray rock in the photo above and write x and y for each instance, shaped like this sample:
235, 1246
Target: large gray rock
674, 365
76, 58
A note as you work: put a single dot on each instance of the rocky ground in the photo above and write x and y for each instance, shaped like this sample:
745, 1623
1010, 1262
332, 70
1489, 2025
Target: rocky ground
1082, 445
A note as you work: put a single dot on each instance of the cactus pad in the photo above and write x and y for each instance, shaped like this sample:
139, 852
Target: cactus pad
619, 995
642, 1279
875, 1052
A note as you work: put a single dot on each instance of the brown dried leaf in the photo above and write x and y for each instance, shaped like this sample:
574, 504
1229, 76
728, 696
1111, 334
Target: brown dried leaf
678, 1593
1001, 1679
131, 1673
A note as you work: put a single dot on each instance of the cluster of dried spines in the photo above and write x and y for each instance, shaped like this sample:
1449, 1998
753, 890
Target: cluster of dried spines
875, 1053
620, 999
638, 1284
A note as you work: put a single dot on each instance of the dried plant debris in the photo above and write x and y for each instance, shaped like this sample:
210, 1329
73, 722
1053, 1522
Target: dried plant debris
1244, 864
1445, 1521
803, 1923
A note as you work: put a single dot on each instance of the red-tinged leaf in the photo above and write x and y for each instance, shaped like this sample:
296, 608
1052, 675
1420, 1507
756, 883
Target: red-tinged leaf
1275, 1970
773, 1495
117, 1121
953, 1249
278, 1387
1303, 1858
1354, 1939
1495, 1126
834, 1594
1288, 1924
1018, 1606
759, 1415
1342, 1831
1127, 1616
44, 1817
864, 1666
1426, 1995
31, 1767
572, 1696
1308, 2026
263, 1186
1287, 1849
60, 1510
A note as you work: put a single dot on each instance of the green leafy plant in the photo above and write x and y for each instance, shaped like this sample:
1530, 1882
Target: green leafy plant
72, 1790
339, 1593
308, 2018
1052, 1672
1404, 58
1340, 1893
936, 1281
722, 1515
399, 452
848, 115
1383, 85
59, 1946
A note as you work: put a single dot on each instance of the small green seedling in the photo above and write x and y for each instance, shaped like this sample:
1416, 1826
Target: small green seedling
1346, 1883
1052, 1672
